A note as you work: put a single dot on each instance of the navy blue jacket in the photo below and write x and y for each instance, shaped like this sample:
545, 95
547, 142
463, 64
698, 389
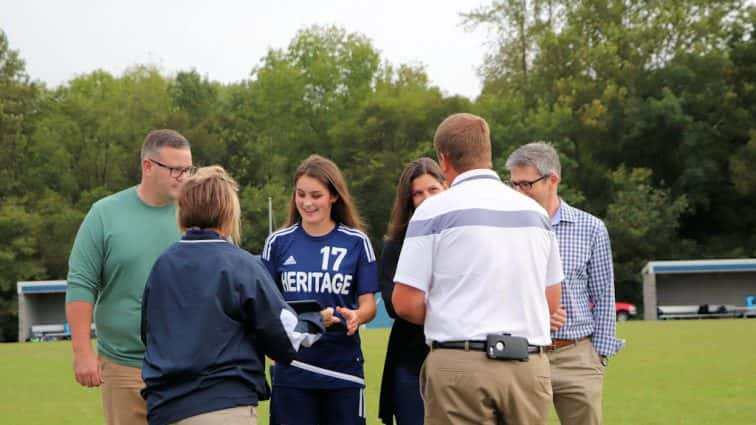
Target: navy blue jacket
210, 313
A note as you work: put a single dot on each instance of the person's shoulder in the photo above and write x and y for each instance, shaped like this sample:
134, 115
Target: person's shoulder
357, 237
254, 261
241, 259
351, 232
242, 256
437, 205
582, 217
391, 251
280, 236
249, 263
173, 251
518, 201
275, 239
282, 233
229, 250
113, 203
116, 200
392, 245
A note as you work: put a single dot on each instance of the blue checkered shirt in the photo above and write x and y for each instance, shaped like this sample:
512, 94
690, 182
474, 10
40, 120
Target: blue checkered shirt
588, 279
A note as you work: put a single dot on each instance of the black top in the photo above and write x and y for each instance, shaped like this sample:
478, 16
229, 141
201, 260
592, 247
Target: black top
406, 345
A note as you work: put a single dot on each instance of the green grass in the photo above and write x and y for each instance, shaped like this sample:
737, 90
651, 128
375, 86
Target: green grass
681, 372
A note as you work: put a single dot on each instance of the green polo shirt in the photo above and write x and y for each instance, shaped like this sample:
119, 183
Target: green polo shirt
115, 248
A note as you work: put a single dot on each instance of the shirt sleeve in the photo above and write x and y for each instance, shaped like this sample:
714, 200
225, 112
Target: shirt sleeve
144, 325
554, 272
387, 269
601, 292
415, 266
367, 271
278, 329
270, 259
85, 264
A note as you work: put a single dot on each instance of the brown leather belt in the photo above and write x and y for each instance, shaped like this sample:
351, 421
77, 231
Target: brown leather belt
561, 343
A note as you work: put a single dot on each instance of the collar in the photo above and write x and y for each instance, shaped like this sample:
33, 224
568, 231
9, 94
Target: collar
479, 173
557, 216
564, 213
200, 234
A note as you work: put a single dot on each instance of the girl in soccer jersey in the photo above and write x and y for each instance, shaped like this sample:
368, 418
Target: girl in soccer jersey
322, 254
400, 387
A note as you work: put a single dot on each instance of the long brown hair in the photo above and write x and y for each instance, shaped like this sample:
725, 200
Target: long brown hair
208, 200
403, 207
325, 171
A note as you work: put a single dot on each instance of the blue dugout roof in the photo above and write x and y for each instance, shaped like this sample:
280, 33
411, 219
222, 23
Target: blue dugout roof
41, 287
701, 266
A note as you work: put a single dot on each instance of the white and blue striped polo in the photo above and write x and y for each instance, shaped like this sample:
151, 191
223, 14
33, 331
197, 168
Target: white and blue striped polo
484, 255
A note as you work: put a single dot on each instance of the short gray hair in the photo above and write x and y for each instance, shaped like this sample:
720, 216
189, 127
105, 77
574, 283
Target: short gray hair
540, 155
157, 139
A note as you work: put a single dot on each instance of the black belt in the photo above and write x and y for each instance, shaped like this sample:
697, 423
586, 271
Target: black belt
476, 346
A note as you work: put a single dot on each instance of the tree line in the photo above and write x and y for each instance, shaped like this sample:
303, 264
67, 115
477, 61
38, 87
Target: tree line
652, 106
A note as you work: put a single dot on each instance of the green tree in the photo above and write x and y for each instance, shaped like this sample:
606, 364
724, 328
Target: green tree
662, 85
518, 25
642, 221
18, 253
18, 98
18, 259
294, 105
195, 114
93, 128
391, 127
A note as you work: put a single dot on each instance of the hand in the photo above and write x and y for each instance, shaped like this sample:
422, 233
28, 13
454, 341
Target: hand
87, 369
558, 318
328, 317
352, 319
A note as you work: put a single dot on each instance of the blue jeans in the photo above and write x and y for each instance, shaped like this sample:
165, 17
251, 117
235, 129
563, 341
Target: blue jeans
408, 403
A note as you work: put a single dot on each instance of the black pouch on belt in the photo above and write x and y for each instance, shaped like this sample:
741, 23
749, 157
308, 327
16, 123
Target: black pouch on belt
506, 347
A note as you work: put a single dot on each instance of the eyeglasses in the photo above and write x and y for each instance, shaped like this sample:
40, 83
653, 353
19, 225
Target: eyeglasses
524, 184
176, 172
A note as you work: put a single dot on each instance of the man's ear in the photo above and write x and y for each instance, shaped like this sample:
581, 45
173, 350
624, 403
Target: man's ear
146, 166
443, 162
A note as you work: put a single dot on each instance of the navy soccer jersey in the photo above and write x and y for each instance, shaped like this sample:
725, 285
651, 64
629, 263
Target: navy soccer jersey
334, 269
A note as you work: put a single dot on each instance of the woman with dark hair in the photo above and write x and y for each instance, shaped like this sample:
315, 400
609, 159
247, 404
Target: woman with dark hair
322, 254
400, 388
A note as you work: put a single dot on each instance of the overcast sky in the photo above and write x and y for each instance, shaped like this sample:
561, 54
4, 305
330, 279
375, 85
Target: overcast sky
224, 39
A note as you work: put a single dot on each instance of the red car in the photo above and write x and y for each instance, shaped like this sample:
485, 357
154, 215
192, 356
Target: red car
624, 310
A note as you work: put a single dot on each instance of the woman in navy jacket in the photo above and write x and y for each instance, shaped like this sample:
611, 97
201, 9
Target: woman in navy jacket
211, 313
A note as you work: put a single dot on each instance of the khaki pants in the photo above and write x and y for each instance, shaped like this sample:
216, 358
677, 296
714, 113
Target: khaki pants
577, 376
121, 400
465, 387
242, 415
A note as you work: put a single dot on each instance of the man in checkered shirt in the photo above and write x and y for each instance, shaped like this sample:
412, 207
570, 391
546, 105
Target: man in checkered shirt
579, 350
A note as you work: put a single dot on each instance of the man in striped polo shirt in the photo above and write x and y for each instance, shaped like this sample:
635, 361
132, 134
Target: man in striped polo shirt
479, 259
580, 349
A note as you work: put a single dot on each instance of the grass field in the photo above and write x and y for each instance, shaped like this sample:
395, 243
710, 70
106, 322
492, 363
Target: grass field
680, 372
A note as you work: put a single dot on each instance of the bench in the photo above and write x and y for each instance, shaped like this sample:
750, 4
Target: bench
704, 311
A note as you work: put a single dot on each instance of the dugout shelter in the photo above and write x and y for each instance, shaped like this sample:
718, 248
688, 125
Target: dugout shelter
699, 288
42, 310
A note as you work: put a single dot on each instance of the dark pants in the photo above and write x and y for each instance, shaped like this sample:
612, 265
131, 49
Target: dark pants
407, 400
304, 406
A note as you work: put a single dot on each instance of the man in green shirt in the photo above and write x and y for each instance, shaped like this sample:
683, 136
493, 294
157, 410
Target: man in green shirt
115, 248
